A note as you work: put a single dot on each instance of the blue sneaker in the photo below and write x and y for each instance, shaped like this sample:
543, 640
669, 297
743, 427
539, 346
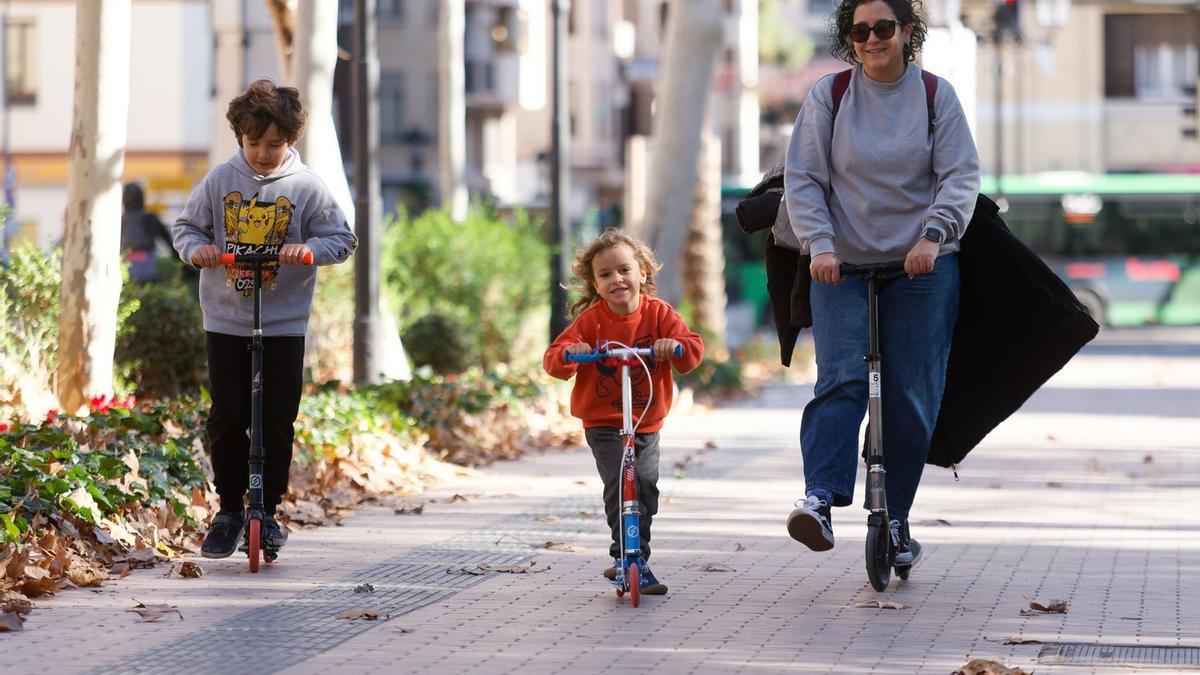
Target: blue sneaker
649, 583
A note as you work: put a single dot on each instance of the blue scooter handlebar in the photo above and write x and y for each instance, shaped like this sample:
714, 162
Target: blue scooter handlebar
599, 354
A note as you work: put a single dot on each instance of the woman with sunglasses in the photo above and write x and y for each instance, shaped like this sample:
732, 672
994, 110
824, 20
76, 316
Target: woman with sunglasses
884, 183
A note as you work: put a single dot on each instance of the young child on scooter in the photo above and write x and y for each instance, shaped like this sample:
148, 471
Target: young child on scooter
615, 277
262, 200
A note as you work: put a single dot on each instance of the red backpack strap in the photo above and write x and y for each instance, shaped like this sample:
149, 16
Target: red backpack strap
931, 85
841, 82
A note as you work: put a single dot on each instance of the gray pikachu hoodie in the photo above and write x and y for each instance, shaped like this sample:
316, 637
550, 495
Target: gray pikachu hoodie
243, 212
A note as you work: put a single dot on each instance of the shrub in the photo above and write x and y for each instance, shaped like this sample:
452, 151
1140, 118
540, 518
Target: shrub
486, 273
438, 341
28, 329
160, 344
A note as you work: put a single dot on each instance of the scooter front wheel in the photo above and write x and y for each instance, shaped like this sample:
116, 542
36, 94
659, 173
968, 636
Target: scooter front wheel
254, 542
635, 588
879, 552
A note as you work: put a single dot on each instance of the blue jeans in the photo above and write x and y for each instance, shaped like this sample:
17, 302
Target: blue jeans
916, 324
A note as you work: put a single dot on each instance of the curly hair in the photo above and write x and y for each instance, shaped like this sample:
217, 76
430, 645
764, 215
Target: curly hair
908, 13
264, 103
585, 279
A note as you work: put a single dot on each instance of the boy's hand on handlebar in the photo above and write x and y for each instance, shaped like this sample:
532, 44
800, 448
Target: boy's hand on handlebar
207, 256
921, 258
824, 268
579, 348
293, 254
664, 348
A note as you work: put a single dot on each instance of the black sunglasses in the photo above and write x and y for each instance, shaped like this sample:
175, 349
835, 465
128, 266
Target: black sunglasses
884, 30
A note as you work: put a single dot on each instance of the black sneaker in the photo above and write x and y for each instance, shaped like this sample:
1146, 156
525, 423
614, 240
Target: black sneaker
274, 535
223, 534
908, 551
809, 524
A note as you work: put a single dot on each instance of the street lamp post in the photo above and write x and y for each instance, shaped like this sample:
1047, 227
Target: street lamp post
367, 207
560, 226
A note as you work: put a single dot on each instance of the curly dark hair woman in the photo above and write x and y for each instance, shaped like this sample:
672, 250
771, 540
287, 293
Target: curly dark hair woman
908, 13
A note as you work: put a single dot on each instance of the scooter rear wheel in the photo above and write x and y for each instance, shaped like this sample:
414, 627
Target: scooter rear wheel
254, 542
635, 588
879, 552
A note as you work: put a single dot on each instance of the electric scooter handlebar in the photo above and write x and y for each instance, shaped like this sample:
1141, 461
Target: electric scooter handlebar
615, 352
877, 269
231, 258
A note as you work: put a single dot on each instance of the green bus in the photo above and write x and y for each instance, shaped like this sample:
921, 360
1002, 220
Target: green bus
1128, 245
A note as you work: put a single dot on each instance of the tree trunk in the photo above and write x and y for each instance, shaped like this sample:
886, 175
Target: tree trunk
693, 38
704, 253
452, 118
91, 275
283, 16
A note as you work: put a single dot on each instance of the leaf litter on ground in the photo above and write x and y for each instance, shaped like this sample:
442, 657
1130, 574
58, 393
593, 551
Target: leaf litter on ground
364, 588
154, 612
409, 510
713, 567
987, 667
11, 622
1055, 607
480, 569
881, 604
357, 613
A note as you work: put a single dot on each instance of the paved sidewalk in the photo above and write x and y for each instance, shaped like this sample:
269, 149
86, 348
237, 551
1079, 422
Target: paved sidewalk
1088, 495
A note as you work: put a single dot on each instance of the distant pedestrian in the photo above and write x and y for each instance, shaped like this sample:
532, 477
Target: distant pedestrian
140, 233
615, 277
890, 178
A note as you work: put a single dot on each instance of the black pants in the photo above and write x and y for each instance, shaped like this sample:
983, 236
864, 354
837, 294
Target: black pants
605, 443
229, 418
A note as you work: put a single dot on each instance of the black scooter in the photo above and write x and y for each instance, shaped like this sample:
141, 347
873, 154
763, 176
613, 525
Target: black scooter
257, 511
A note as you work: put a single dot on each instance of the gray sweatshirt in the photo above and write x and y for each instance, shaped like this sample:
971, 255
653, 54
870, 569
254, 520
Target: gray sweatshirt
243, 212
885, 180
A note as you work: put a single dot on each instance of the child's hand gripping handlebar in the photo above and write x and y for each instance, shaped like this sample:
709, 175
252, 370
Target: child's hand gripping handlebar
615, 352
231, 258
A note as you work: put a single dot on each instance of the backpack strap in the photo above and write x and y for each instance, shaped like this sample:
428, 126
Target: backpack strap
841, 82
931, 85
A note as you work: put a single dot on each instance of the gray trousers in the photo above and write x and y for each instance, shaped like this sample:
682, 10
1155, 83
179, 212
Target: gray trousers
605, 443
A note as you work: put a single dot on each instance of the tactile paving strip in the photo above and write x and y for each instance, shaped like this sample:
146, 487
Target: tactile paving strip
305, 625
1142, 656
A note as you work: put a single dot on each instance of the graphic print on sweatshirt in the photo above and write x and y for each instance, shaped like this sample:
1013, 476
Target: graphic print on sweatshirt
608, 385
252, 227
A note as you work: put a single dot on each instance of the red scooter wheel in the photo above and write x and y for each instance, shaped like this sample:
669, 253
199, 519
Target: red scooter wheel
254, 542
635, 589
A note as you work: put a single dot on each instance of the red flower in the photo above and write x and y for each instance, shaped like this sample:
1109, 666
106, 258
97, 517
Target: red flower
4, 426
51, 414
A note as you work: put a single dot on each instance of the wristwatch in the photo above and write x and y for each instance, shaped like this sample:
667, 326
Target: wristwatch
935, 235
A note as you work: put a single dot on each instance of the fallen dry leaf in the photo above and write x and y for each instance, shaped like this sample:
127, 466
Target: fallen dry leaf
936, 522
1148, 459
186, 569
409, 510
881, 604
738, 547
11, 623
581, 482
371, 614
715, 567
483, 568
710, 444
120, 570
546, 519
154, 612
1055, 607
364, 588
558, 546
15, 603
986, 667
403, 629
1021, 641
85, 574
588, 514
1053, 484
458, 498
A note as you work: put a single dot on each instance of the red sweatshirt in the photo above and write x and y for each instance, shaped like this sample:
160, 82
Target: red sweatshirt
596, 397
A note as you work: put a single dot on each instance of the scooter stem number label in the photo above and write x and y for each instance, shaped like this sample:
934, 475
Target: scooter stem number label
873, 385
